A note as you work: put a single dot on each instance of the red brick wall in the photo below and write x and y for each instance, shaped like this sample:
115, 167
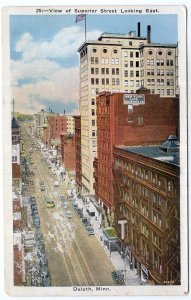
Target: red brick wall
56, 126
16, 172
68, 152
78, 149
160, 119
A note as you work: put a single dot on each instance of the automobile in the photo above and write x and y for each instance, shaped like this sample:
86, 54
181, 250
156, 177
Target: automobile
62, 197
43, 260
41, 182
79, 212
68, 214
89, 230
36, 222
118, 276
42, 188
49, 203
86, 221
56, 183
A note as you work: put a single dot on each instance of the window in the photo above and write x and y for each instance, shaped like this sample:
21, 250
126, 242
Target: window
94, 50
113, 71
97, 80
125, 53
93, 133
115, 51
14, 158
93, 101
169, 53
137, 83
152, 62
96, 71
104, 50
144, 229
131, 73
102, 71
92, 80
103, 81
131, 64
131, 82
117, 71
126, 82
130, 108
125, 73
107, 81
137, 73
107, 71
93, 112
92, 60
96, 60
159, 52
131, 54
137, 54
93, 91
137, 64
140, 120
92, 70
15, 138
126, 64
117, 81
148, 62
150, 52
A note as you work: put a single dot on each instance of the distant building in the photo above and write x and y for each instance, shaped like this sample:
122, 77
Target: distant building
56, 125
16, 153
70, 124
68, 153
40, 120
124, 119
147, 209
120, 63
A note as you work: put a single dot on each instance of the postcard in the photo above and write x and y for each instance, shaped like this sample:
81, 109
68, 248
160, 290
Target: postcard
95, 150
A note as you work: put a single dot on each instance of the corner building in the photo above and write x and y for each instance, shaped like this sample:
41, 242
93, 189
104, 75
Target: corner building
148, 121
120, 63
147, 199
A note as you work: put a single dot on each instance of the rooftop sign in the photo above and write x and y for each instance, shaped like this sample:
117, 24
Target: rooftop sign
134, 99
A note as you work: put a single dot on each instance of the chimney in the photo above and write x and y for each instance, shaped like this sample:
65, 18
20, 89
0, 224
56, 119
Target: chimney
149, 33
138, 29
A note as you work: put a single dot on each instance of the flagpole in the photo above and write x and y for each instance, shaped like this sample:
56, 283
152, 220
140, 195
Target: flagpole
85, 27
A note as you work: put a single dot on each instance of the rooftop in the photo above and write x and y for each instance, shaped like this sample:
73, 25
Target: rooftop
14, 123
167, 152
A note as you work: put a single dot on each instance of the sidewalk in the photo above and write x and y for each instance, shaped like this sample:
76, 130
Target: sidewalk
119, 263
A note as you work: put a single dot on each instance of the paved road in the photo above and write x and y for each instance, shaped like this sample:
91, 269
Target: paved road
74, 258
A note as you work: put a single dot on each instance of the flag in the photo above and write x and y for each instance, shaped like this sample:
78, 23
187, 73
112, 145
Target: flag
80, 18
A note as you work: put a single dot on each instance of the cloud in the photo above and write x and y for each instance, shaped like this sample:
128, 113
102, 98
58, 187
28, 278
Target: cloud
39, 78
64, 44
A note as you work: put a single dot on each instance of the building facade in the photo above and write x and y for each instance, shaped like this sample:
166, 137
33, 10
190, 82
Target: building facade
126, 119
147, 191
120, 63
16, 153
68, 152
70, 124
78, 151
56, 124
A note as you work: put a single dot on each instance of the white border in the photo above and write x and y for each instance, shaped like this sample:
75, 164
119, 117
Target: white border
183, 108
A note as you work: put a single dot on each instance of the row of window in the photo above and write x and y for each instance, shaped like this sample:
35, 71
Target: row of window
160, 72
160, 81
133, 53
104, 61
160, 62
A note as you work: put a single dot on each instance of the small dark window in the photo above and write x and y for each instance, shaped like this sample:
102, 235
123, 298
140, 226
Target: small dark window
94, 50
150, 52
115, 51
104, 50
169, 53
159, 52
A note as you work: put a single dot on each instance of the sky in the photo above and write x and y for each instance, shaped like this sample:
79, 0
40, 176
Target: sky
45, 61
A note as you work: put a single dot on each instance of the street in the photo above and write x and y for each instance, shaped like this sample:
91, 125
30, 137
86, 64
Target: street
74, 257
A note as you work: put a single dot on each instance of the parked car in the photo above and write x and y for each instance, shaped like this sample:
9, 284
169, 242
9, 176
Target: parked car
86, 221
89, 230
118, 276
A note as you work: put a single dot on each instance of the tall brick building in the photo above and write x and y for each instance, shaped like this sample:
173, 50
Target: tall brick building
68, 152
147, 209
56, 124
129, 119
